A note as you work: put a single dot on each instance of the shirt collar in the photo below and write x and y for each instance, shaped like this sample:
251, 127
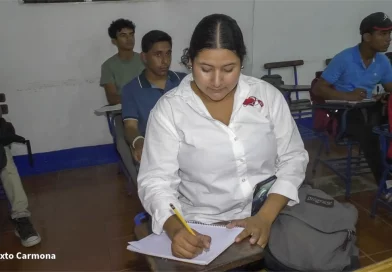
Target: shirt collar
144, 83
358, 57
185, 91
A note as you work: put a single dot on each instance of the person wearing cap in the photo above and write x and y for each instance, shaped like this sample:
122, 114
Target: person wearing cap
353, 75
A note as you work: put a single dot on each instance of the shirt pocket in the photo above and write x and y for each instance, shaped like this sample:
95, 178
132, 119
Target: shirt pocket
255, 129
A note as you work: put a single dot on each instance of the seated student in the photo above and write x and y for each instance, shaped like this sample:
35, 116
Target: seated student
16, 195
122, 67
212, 139
117, 71
141, 94
353, 74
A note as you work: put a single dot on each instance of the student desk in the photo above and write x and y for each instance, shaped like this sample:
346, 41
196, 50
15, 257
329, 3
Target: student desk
111, 111
288, 89
295, 88
235, 256
113, 116
348, 166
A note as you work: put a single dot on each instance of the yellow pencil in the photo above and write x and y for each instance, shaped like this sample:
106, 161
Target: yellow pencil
182, 219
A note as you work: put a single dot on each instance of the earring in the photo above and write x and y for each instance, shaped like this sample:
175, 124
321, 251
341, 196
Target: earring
190, 67
242, 67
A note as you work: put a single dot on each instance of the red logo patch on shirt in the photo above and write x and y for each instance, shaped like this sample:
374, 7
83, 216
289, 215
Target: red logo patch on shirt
252, 101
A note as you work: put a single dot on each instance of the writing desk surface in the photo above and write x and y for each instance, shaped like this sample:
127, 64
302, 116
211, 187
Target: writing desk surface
235, 256
293, 88
343, 105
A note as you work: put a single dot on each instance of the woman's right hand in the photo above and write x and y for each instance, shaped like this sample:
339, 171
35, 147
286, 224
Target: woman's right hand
188, 246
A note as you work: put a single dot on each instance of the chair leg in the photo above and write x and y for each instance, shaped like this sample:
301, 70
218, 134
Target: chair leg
119, 170
129, 187
317, 159
379, 192
348, 170
327, 147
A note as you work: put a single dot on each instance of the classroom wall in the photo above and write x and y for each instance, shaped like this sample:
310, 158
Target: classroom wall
50, 54
50, 57
311, 30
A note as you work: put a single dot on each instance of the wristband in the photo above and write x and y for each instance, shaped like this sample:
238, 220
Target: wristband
134, 141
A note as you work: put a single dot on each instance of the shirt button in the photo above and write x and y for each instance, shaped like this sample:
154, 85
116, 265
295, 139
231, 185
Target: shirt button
241, 160
235, 139
243, 180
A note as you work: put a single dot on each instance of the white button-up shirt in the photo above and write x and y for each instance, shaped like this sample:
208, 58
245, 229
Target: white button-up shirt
209, 170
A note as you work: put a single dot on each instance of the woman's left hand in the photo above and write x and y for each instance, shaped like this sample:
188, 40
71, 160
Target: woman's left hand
256, 227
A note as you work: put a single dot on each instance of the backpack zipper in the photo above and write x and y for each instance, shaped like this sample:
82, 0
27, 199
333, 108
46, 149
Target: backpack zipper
348, 239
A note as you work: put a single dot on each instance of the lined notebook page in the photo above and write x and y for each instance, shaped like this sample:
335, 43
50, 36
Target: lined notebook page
160, 245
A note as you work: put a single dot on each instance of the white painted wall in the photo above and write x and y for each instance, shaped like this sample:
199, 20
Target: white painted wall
311, 30
50, 54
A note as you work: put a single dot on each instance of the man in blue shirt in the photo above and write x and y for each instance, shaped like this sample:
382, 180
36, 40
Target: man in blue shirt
141, 94
353, 75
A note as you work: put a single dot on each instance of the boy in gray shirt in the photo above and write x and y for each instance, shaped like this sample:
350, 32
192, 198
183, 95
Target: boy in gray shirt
121, 68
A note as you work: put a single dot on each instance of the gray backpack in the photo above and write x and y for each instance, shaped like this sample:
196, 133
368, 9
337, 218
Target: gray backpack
316, 235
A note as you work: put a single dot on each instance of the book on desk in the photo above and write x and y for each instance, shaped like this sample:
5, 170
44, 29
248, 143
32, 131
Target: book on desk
160, 245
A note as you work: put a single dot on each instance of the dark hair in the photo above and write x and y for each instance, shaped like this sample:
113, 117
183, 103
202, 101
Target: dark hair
118, 25
152, 37
215, 31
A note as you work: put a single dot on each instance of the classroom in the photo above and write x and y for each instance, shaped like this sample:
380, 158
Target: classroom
119, 118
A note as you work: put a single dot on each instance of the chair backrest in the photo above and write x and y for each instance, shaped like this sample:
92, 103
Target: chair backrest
275, 80
319, 73
282, 64
3, 107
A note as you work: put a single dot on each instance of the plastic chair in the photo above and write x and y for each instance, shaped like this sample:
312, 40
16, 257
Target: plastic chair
13, 139
345, 167
16, 138
130, 170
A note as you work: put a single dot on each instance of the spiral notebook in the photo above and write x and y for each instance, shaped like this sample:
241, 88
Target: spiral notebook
160, 245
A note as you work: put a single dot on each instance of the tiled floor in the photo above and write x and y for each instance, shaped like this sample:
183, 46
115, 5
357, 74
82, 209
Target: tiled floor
85, 217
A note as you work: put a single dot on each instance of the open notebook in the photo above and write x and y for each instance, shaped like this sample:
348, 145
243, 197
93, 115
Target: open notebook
160, 245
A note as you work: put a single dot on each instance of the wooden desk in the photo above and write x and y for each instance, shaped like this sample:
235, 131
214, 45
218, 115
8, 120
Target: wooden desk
235, 256
384, 266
